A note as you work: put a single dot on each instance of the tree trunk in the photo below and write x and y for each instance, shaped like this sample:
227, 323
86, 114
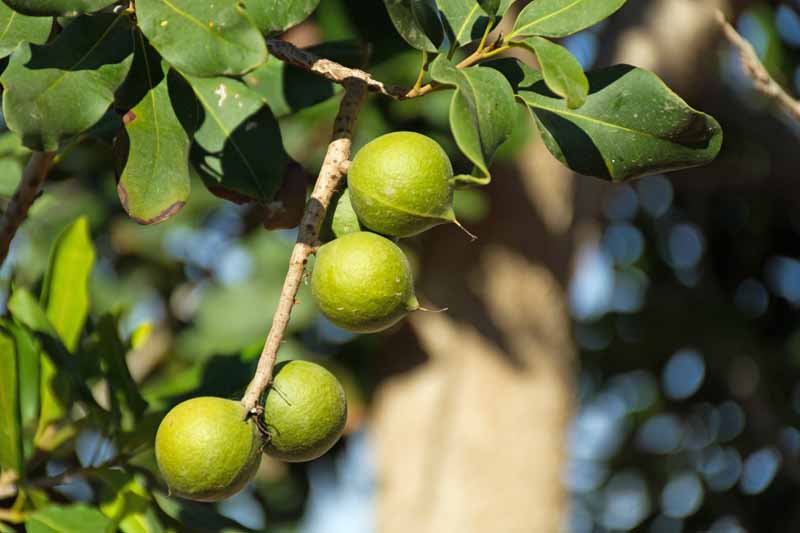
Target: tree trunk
472, 439
470, 422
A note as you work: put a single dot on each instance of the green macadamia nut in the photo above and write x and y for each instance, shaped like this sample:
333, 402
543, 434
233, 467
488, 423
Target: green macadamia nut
305, 411
362, 282
341, 219
205, 449
401, 184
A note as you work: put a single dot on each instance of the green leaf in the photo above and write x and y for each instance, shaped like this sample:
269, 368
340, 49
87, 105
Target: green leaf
465, 19
238, 148
10, 425
16, 28
26, 311
127, 405
417, 23
10, 176
29, 356
54, 386
67, 8
65, 292
72, 519
154, 181
57, 91
340, 219
287, 89
481, 113
559, 18
426, 14
126, 501
12, 157
631, 125
273, 16
202, 38
10, 146
563, 74
59, 321
142, 522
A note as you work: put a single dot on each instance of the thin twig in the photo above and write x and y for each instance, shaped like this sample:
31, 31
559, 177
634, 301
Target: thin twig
32, 178
337, 73
764, 83
333, 169
328, 69
356, 83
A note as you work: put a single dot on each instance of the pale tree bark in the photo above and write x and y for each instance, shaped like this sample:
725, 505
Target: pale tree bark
473, 439
471, 421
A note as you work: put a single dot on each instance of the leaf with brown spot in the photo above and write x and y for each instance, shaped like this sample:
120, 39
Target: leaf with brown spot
154, 179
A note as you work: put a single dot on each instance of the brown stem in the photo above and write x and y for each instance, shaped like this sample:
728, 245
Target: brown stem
763, 82
328, 69
337, 73
475, 57
333, 169
32, 178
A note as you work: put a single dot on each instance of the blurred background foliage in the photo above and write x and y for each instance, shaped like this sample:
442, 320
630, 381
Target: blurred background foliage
685, 303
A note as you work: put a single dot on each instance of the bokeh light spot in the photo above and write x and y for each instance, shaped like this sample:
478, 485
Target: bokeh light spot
682, 495
759, 470
655, 194
683, 374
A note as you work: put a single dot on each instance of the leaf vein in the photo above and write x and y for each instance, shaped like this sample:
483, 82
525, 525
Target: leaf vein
600, 122
227, 133
8, 26
83, 58
194, 20
466, 21
546, 17
151, 95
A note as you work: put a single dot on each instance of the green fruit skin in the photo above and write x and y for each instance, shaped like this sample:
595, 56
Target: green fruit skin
205, 449
401, 184
362, 282
341, 218
305, 411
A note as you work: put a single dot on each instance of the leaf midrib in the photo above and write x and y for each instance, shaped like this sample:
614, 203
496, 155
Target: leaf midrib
10, 20
233, 143
542, 19
199, 23
152, 97
472, 101
476, 117
65, 308
598, 121
466, 21
71, 70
